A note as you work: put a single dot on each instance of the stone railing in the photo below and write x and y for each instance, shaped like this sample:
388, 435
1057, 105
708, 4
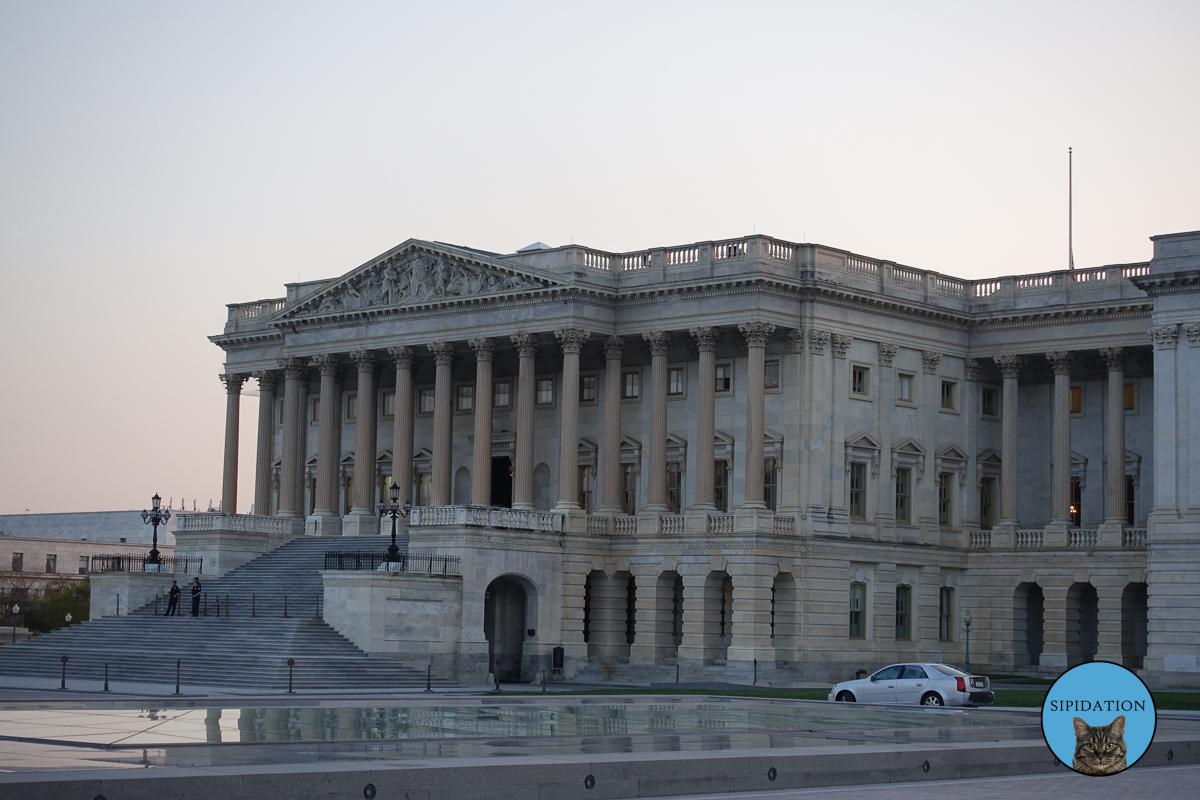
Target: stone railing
625, 526
1134, 538
1029, 539
597, 526
720, 523
981, 540
783, 526
1081, 538
670, 524
243, 523
485, 517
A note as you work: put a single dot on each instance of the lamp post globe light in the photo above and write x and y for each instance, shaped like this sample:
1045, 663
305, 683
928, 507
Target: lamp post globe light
395, 511
967, 622
16, 610
156, 516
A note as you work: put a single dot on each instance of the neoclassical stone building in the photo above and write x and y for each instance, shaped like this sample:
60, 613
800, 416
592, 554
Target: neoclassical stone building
707, 456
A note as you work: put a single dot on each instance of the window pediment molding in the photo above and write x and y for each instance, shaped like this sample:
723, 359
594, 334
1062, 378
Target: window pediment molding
862, 447
910, 455
952, 459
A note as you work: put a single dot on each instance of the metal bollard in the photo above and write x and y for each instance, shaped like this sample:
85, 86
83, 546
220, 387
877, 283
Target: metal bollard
677, 673
226, 606
252, 605
178, 663
156, 605
291, 663
206, 604
543, 680
118, 605
63, 685
285, 606
756, 672
497, 675
317, 609
106, 677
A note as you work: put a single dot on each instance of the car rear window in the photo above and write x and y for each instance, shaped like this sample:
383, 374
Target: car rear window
953, 672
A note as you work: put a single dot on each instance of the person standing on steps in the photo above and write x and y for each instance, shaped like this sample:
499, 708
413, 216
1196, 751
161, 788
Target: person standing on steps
173, 600
195, 597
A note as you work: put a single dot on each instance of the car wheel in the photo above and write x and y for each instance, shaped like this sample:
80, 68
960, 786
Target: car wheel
845, 697
932, 699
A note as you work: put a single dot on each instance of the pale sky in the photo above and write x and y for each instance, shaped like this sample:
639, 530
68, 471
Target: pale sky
160, 160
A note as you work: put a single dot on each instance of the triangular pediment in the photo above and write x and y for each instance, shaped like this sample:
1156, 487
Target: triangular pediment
952, 453
418, 273
909, 446
864, 440
989, 457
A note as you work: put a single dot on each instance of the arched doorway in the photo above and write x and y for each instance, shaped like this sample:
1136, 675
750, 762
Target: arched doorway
505, 607
718, 615
1028, 618
1134, 618
1082, 623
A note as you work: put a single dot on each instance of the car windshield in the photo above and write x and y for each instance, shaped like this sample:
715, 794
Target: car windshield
953, 672
887, 673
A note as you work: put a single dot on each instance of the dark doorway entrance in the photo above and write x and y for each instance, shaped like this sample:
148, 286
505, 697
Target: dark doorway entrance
1028, 616
1082, 623
502, 482
504, 627
1134, 619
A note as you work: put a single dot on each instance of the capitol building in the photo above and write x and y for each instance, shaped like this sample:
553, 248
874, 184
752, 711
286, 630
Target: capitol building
731, 460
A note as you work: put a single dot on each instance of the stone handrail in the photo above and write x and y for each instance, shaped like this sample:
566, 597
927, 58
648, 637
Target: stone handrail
1081, 538
671, 524
1029, 539
1134, 538
625, 526
720, 523
784, 526
981, 540
597, 526
485, 517
244, 523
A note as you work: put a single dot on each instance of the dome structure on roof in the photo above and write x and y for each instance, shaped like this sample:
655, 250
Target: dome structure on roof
535, 246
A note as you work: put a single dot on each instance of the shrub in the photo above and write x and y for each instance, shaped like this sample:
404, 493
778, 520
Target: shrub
52, 608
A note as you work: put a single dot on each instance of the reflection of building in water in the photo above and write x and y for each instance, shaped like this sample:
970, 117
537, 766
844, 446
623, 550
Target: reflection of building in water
737, 455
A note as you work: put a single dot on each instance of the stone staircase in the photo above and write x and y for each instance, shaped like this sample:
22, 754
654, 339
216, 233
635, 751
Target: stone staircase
246, 646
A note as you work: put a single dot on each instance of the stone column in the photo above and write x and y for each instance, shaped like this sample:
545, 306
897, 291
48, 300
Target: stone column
402, 430
301, 435
656, 492
645, 647
229, 476
1010, 368
706, 415
572, 340
443, 432
608, 617
1060, 503
265, 454
325, 520
362, 519
610, 485
1114, 505
523, 462
751, 617
292, 467
691, 648
756, 335
481, 472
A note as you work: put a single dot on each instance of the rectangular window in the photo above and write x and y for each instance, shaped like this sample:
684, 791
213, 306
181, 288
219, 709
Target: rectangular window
352, 407
464, 398
279, 412
629, 491
1129, 505
424, 488
770, 484
721, 485
771, 374
903, 612
904, 496
316, 411
990, 402
859, 380
1076, 502
904, 388
946, 614
1131, 397
858, 490
51, 564
1076, 399
987, 504
724, 378
426, 400
348, 494
388, 406
545, 391
675, 382
858, 605
946, 499
18, 562
631, 385
83, 565
674, 486
587, 388
501, 394
585, 488
949, 396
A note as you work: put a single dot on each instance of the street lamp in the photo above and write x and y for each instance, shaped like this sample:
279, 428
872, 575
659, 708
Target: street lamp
16, 610
395, 511
68, 618
156, 516
967, 622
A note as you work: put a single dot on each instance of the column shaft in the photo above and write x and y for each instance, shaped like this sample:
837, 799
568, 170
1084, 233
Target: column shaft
706, 419
523, 463
656, 490
365, 436
610, 485
301, 435
1010, 367
402, 431
265, 454
756, 334
289, 505
1114, 508
328, 444
481, 473
229, 476
572, 340
1061, 475
443, 433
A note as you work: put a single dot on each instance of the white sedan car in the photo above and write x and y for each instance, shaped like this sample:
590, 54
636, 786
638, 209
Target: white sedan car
924, 684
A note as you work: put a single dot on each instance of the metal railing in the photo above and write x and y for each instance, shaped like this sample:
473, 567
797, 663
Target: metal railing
404, 562
178, 565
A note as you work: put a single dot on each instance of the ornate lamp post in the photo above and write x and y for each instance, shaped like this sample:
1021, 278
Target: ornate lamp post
16, 610
156, 516
967, 622
395, 511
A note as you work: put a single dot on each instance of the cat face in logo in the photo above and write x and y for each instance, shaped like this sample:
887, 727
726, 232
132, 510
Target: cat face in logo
1099, 750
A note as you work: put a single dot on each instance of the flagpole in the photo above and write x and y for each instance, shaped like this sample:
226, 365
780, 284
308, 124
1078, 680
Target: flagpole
1070, 208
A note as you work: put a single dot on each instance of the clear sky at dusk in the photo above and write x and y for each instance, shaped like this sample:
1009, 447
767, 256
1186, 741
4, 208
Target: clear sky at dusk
160, 160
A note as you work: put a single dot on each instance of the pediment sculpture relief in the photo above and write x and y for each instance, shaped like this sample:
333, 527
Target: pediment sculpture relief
415, 278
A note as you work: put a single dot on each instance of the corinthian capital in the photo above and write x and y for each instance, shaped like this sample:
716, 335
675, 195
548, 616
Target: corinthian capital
485, 349
1165, 337
887, 351
970, 369
816, 342
841, 344
443, 352
795, 341
1114, 358
233, 383
293, 367
365, 360
659, 342
266, 380
402, 355
930, 360
614, 348
526, 344
326, 362
705, 338
1060, 361
1192, 329
756, 333
1010, 366
571, 339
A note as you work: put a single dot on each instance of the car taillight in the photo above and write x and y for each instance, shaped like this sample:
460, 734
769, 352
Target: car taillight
962, 684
